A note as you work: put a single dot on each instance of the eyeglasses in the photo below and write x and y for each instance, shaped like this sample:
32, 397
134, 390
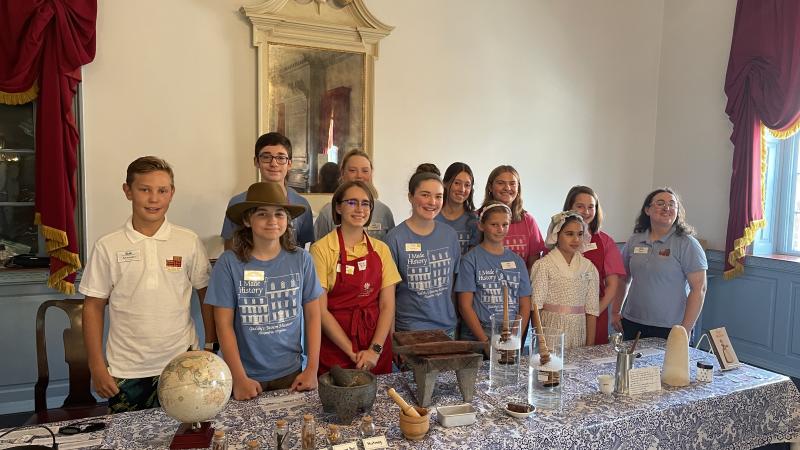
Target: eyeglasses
665, 205
351, 202
81, 428
266, 158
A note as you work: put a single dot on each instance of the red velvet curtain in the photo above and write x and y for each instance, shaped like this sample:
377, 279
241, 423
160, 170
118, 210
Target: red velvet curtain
43, 44
763, 86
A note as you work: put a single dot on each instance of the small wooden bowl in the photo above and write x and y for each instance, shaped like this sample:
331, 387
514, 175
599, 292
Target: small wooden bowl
415, 428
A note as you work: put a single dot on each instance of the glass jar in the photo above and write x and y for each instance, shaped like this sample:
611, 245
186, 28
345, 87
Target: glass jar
281, 433
334, 436
367, 428
220, 441
705, 372
309, 433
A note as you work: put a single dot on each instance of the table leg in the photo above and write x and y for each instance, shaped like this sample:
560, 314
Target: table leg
466, 382
426, 380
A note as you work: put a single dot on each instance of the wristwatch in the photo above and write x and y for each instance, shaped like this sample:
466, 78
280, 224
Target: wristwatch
377, 348
212, 347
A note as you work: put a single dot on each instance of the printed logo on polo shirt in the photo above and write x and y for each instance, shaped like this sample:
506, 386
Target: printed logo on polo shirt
175, 264
429, 272
664, 252
270, 305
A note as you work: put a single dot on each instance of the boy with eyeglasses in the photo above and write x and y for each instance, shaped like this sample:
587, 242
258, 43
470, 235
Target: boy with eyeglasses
273, 158
145, 273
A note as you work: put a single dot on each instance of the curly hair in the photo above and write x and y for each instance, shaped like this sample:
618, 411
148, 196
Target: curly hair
643, 221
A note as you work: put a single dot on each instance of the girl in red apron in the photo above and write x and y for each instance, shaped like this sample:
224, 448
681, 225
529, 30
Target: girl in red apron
601, 251
358, 275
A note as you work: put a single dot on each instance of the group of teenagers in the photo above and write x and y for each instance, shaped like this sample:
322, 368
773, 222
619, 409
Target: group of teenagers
282, 315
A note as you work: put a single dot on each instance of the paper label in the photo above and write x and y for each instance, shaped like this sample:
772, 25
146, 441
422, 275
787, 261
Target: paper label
129, 255
590, 246
253, 275
375, 443
543, 376
374, 226
349, 270
362, 265
346, 446
508, 264
641, 250
644, 379
413, 247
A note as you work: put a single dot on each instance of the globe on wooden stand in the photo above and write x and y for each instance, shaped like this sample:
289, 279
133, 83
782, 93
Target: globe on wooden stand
193, 388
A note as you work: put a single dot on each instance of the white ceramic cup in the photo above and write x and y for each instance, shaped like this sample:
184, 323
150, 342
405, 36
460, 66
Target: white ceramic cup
606, 383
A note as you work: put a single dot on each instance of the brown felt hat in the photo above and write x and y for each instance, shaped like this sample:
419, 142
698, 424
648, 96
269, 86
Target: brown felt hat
267, 193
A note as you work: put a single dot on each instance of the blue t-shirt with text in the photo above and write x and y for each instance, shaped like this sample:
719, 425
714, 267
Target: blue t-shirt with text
268, 299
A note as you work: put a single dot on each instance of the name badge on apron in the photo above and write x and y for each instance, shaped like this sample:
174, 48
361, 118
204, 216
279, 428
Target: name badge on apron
349, 270
253, 275
362, 265
413, 247
508, 265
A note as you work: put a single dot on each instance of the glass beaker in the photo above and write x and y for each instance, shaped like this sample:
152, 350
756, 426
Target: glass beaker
504, 354
546, 368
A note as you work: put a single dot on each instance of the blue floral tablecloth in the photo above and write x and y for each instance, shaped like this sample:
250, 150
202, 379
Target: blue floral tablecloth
741, 409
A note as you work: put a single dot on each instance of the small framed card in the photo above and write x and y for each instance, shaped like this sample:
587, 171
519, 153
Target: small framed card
723, 348
644, 379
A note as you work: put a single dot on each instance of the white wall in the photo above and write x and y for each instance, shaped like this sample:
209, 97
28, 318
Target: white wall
693, 152
566, 97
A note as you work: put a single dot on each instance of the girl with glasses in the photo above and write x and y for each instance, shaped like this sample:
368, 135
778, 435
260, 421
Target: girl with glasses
459, 209
357, 166
666, 269
602, 251
358, 276
427, 254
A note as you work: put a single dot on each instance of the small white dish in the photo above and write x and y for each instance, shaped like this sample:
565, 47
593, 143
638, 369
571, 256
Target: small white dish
520, 415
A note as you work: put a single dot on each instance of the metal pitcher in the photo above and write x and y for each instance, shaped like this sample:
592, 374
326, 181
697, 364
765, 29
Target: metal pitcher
624, 364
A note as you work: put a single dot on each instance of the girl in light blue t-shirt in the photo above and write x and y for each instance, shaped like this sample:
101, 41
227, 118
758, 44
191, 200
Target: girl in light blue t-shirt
427, 254
264, 290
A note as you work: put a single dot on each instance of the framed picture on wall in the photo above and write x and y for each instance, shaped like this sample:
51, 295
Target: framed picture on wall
723, 348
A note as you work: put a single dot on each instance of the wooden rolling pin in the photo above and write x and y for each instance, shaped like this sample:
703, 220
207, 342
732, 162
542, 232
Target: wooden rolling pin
407, 409
544, 353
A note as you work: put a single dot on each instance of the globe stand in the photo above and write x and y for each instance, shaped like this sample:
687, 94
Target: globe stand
193, 435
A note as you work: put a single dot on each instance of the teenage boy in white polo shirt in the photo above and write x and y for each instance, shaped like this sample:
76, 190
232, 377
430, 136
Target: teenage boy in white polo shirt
145, 272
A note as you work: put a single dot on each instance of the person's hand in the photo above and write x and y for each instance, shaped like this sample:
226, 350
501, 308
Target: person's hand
246, 388
616, 321
366, 359
306, 381
353, 357
103, 383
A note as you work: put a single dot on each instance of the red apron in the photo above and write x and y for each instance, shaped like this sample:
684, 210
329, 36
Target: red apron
598, 257
353, 302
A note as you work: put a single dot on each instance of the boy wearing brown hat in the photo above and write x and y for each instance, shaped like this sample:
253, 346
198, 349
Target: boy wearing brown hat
264, 289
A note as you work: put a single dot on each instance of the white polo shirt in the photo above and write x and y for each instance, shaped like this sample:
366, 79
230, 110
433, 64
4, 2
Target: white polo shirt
148, 282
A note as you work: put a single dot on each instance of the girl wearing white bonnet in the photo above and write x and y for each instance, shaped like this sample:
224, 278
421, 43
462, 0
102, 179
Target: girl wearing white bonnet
565, 283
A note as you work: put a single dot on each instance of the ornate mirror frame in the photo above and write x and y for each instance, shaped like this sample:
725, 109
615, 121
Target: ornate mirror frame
301, 35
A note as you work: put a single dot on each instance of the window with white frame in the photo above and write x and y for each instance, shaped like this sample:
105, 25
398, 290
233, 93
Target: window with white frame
781, 234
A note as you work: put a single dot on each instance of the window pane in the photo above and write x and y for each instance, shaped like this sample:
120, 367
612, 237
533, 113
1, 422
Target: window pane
17, 179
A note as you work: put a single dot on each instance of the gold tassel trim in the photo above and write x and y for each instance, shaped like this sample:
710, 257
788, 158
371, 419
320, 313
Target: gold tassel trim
19, 98
740, 248
56, 241
787, 132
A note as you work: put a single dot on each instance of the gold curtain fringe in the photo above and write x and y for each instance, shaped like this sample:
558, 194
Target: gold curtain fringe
740, 248
19, 98
787, 132
56, 241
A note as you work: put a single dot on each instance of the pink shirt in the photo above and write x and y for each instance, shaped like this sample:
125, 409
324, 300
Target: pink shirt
612, 258
524, 238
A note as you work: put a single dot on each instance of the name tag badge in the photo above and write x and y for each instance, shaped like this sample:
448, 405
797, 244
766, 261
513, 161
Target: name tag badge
641, 250
338, 267
349, 270
374, 226
362, 265
253, 275
590, 247
586, 276
129, 255
413, 247
508, 264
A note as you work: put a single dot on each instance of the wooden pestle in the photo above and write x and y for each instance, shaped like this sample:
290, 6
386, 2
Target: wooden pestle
506, 331
544, 353
405, 407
